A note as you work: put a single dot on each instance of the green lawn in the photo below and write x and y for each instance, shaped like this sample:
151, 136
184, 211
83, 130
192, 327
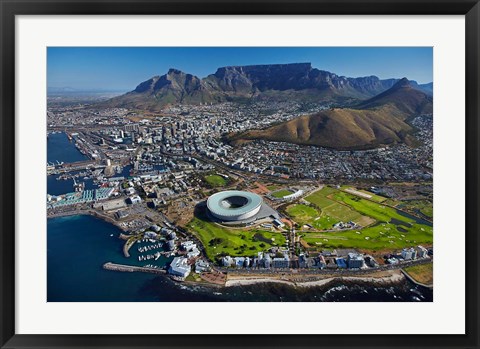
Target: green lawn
281, 193
392, 202
379, 237
304, 214
219, 240
215, 181
342, 213
335, 209
273, 187
393, 230
377, 211
320, 199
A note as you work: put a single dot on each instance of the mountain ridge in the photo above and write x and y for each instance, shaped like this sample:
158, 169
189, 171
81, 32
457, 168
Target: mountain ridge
268, 81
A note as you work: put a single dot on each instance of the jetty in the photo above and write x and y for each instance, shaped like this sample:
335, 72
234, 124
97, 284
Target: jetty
131, 268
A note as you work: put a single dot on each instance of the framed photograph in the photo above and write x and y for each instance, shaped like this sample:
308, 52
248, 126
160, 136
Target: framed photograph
232, 174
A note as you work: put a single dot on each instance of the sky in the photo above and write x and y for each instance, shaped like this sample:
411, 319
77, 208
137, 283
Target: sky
123, 68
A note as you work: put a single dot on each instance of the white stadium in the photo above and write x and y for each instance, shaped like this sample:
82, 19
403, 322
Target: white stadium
234, 205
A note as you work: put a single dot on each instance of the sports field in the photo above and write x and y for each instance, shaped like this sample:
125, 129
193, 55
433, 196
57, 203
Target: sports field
219, 240
216, 181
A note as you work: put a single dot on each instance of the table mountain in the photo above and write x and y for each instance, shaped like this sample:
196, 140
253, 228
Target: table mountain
274, 81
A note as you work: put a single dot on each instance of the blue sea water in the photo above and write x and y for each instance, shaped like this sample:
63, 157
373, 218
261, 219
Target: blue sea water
77, 248
60, 148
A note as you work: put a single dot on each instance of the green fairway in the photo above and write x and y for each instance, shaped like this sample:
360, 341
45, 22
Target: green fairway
303, 214
216, 181
393, 230
377, 211
281, 193
379, 237
219, 240
391, 202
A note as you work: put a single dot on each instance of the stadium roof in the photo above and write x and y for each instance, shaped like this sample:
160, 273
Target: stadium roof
219, 203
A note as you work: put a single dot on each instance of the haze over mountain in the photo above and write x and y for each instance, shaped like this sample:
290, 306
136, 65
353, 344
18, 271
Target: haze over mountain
273, 82
380, 120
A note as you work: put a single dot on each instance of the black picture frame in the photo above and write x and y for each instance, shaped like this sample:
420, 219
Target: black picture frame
10, 8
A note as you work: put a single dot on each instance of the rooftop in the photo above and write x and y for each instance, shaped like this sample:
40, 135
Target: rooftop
233, 202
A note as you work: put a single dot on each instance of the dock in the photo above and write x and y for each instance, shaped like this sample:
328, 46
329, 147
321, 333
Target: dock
131, 268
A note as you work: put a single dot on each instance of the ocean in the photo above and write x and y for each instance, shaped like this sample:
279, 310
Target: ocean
78, 246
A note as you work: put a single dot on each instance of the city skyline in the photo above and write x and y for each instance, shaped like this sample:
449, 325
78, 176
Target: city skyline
123, 68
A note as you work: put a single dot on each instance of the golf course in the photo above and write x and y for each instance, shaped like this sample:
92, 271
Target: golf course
388, 228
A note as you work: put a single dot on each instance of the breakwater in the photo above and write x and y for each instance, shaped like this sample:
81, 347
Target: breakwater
131, 268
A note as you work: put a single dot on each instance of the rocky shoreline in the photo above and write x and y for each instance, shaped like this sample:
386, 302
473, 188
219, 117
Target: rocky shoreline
393, 277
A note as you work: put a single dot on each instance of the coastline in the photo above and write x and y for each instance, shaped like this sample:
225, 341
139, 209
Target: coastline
90, 212
91, 283
393, 277
380, 278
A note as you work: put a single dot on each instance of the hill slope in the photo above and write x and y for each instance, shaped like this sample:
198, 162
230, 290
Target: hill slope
403, 97
173, 87
377, 121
